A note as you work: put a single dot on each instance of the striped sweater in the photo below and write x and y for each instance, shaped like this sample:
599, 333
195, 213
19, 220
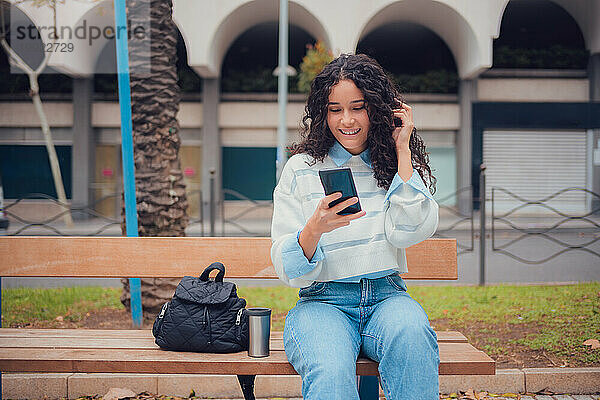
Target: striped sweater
404, 215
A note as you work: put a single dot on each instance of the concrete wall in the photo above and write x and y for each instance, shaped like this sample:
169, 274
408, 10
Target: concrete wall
532, 89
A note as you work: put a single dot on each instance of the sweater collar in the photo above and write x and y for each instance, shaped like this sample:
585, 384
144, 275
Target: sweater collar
340, 155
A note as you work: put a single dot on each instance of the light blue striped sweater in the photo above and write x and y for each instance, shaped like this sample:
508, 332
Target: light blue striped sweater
404, 215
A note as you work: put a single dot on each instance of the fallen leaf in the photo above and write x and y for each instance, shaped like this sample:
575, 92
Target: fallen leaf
545, 392
595, 343
59, 318
470, 394
118, 393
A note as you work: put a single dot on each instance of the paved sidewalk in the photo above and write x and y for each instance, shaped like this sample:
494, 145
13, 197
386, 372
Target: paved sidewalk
531, 383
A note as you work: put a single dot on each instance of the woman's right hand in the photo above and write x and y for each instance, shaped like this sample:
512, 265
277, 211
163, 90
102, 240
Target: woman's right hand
325, 218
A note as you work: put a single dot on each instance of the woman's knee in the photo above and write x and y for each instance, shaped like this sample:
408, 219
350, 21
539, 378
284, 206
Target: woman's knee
331, 345
401, 313
410, 327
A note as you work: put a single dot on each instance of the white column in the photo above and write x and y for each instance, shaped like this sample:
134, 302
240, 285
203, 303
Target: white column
211, 143
594, 80
84, 145
467, 94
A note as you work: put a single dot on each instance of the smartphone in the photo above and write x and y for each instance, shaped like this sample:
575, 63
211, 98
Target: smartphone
397, 121
340, 180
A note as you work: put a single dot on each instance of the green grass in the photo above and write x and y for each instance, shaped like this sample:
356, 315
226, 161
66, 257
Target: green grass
553, 319
21, 306
279, 299
512, 304
559, 318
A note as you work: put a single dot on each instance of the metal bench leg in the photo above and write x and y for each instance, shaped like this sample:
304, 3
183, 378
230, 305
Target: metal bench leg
247, 385
368, 387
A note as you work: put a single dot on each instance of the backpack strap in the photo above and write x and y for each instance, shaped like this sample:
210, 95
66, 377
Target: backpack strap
213, 266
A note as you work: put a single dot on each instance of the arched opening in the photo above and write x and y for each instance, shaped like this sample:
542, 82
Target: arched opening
188, 79
105, 85
528, 41
419, 61
248, 67
250, 60
24, 37
416, 57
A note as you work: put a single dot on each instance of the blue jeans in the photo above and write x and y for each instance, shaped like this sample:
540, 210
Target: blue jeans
334, 322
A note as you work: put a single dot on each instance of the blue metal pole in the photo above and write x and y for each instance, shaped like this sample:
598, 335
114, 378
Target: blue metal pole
131, 222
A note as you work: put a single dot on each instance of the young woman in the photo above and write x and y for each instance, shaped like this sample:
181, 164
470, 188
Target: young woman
353, 300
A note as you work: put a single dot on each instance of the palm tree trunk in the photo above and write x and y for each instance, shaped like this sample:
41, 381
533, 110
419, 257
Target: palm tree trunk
160, 189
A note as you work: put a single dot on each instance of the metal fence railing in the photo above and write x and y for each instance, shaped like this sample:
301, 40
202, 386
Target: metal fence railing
457, 221
236, 218
50, 224
88, 221
554, 223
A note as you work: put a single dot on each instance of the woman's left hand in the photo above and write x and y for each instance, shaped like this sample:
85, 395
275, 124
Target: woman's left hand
402, 134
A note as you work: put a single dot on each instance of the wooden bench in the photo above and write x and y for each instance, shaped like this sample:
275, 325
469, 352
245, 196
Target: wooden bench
134, 351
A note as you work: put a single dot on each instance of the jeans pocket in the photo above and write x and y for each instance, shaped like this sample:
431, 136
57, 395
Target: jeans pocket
312, 290
397, 282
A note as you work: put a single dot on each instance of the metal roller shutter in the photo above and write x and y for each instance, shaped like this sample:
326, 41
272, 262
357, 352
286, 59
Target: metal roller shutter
534, 165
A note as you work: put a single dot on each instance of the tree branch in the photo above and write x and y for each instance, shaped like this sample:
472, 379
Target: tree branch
15, 57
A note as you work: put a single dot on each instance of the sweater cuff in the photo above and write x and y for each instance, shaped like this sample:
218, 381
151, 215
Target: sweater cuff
415, 181
295, 263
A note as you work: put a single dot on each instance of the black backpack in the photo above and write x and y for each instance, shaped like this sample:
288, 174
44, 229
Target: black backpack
203, 316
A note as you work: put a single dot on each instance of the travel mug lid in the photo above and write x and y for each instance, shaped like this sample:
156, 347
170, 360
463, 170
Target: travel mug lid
258, 311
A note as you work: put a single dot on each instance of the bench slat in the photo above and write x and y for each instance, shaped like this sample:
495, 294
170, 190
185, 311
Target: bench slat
443, 336
456, 359
123, 339
72, 333
169, 257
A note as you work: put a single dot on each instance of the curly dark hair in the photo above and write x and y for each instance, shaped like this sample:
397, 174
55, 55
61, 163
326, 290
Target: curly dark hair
381, 96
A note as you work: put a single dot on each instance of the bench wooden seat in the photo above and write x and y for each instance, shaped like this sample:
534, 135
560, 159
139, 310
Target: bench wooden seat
134, 351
